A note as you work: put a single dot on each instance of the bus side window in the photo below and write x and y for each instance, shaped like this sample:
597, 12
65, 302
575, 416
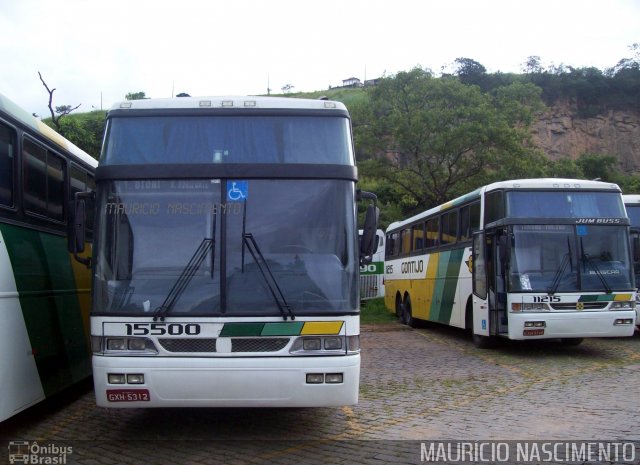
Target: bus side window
433, 230
469, 220
393, 244
406, 241
7, 157
418, 236
44, 179
450, 227
493, 207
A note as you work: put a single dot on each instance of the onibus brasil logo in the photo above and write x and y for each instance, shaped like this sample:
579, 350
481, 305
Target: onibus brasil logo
34, 453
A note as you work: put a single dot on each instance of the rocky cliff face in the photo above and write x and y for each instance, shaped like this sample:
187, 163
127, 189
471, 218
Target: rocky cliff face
560, 132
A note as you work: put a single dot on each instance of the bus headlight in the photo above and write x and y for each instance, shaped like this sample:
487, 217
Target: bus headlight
118, 345
623, 305
311, 343
325, 345
529, 307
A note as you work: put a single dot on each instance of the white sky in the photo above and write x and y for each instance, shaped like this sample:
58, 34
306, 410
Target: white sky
94, 52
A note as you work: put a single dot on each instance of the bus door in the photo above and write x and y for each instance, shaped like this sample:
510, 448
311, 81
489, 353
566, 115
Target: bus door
498, 282
479, 273
635, 251
489, 268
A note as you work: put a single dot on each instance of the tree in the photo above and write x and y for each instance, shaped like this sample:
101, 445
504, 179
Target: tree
434, 139
533, 65
287, 88
470, 71
598, 166
135, 96
60, 111
86, 131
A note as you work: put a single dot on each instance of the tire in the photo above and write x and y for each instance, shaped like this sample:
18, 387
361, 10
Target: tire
571, 341
408, 318
399, 309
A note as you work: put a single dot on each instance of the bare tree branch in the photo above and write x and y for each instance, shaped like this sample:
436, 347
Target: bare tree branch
61, 110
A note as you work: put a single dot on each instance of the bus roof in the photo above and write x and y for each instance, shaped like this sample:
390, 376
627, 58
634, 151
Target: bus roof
539, 183
230, 102
23, 117
552, 183
631, 199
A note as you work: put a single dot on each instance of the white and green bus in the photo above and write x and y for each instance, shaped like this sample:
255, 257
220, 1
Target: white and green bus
44, 292
226, 256
632, 204
520, 259
372, 273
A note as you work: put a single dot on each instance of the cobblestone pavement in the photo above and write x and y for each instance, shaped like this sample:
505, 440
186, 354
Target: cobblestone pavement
417, 385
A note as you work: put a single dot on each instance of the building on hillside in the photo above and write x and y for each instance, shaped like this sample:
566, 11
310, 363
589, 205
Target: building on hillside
351, 82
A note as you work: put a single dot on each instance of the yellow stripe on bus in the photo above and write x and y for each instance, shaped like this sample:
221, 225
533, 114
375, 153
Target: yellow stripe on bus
322, 327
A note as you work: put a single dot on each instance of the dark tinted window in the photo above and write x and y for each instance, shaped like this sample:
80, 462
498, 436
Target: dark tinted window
7, 157
433, 230
43, 182
469, 220
493, 207
228, 139
450, 227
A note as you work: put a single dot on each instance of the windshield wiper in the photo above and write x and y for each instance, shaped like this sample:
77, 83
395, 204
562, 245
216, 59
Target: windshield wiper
589, 260
560, 272
185, 277
250, 243
270, 280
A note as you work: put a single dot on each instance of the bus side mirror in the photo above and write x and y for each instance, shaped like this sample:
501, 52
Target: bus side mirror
77, 227
368, 240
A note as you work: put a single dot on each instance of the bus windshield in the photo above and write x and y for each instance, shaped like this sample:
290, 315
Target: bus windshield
180, 245
224, 139
564, 204
568, 258
633, 211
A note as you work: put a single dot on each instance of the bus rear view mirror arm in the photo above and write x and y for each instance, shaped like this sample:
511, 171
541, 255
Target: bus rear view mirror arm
78, 227
368, 241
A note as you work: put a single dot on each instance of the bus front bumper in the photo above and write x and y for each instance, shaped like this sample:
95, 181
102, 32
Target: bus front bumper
226, 382
546, 325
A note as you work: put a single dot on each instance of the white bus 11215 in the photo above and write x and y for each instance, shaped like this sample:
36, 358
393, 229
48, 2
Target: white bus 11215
520, 259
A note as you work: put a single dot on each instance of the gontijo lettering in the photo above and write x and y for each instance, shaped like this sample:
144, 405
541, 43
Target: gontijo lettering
412, 266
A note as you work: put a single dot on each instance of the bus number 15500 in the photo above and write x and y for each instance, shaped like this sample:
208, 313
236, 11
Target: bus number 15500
160, 329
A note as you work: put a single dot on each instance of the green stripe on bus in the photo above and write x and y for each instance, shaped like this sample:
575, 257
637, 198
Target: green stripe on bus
282, 329
445, 286
241, 329
50, 306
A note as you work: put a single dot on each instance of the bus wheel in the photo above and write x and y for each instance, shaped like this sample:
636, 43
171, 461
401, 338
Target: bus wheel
408, 318
399, 309
571, 341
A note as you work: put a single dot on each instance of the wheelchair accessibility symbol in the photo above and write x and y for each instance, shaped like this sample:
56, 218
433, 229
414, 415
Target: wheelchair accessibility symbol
237, 190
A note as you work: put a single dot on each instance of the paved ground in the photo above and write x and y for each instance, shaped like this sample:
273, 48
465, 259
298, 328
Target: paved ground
417, 387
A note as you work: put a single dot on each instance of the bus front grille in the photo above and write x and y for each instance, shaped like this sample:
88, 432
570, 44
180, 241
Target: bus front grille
580, 306
259, 344
256, 344
188, 345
